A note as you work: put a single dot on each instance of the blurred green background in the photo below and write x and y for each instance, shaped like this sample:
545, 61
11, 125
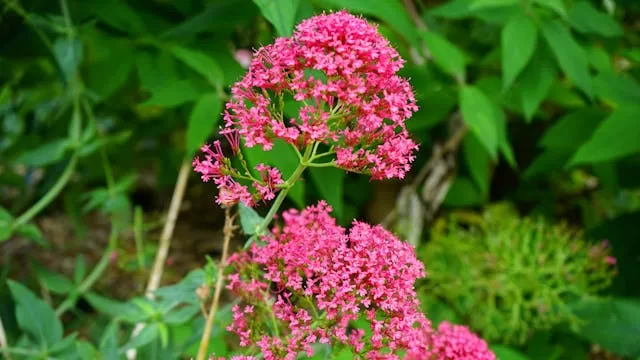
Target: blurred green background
532, 104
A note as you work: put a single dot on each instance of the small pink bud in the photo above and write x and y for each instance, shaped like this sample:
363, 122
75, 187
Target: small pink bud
243, 57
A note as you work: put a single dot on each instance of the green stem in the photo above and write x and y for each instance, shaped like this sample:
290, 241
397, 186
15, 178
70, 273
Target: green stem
50, 195
90, 280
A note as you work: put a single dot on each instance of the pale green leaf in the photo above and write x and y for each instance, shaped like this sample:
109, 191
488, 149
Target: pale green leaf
202, 121
518, 42
478, 113
617, 136
445, 54
249, 219
570, 55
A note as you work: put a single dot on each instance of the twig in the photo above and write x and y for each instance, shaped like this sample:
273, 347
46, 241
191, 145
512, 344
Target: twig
165, 243
3, 342
413, 12
206, 335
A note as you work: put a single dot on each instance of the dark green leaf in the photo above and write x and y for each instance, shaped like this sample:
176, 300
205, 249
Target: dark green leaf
446, 55
202, 121
572, 130
463, 193
503, 138
478, 113
35, 317
456, 9
120, 15
249, 219
535, 81
283, 157
80, 269
613, 324
505, 353
104, 75
6, 226
587, 19
518, 44
565, 96
281, 14
174, 94
617, 136
330, 185
68, 53
100, 142
53, 281
478, 161
390, 11
569, 54
200, 62
550, 160
44, 154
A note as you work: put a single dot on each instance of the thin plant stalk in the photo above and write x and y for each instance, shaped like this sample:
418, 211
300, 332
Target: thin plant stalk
206, 335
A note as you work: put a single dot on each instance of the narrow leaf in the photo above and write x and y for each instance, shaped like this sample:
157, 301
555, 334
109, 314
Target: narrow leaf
587, 19
478, 113
519, 37
445, 54
280, 13
35, 317
554, 5
44, 154
535, 82
202, 121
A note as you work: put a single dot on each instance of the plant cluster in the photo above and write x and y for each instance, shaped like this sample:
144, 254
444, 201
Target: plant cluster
509, 276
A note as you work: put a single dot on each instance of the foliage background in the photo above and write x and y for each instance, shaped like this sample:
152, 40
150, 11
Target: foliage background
531, 102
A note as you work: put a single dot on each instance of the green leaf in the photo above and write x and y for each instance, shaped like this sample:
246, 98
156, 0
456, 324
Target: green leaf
572, 130
600, 60
549, 160
613, 324
45, 154
587, 19
282, 14
477, 161
125, 311
86, 351
330, 184
104, 141
33, 233
503, 138
456, 9
519, 37
570, 56
617, 136
483, 4
200, 62
80, 269
35, 317
64, 344
555, 5
535, 82
104, 75
446, 55
283, 157
463, 193
146, 336
181, 315
185, 290
478, 113
202, 121
506, 353
249, 219
391, 12
53, 281
6, 224
174, 94
68, 53
120, 15
617, 88
109, 342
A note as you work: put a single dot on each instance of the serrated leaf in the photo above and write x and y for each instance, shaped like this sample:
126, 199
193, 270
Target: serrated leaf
445, 54
45, 154
200, 62
572, 130
535, 81
330, 185
617, 136
478, 113
202, 121
477, 160
555, 5
282, 14
569, 54
518, 42
249, 219
35, 317
587, 19
613, 324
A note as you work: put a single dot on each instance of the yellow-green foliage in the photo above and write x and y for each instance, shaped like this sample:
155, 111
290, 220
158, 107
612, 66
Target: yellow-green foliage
507, 276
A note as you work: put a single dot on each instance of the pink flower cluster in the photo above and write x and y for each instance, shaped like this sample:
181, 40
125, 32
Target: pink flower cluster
342, 72
456, 342
314, 280
215, 166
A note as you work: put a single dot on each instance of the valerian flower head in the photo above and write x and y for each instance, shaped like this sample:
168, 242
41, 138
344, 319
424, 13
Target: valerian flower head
311, 280
343, 75
456, 342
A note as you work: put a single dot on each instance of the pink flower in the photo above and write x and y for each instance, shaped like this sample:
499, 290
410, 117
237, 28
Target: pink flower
243, 57
345, 73
456, 342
